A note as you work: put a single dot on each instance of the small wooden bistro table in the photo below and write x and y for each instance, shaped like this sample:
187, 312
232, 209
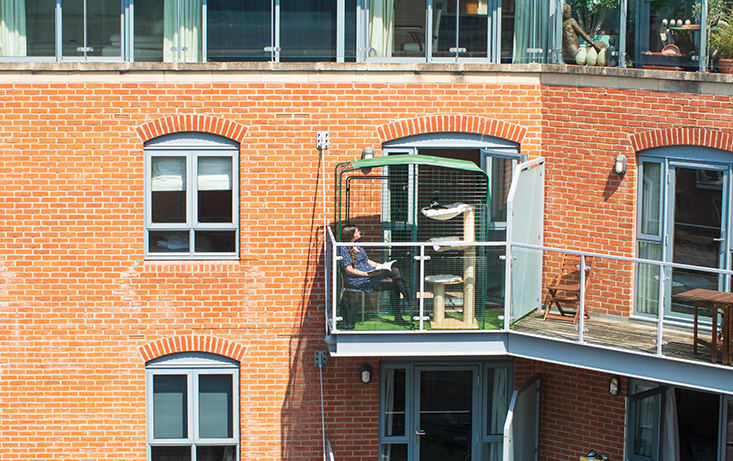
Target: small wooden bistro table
719, 303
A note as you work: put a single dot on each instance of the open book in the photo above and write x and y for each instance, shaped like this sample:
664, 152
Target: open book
385, 266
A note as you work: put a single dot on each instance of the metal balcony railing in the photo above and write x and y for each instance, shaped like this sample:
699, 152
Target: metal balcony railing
621, 303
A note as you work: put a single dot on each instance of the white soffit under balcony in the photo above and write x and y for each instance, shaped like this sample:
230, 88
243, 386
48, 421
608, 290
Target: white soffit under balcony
697, 375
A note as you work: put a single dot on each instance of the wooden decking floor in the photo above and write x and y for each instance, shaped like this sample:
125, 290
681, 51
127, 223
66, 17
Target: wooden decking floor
627, 335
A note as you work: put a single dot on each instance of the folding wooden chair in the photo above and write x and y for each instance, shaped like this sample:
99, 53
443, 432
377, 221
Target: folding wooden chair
564, 291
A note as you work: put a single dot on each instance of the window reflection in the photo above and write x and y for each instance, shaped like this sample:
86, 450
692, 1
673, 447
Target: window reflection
394, 411
590, 32
308, 30
149, 24
91, 28
663, 35
238, 30
27, 28
461, 29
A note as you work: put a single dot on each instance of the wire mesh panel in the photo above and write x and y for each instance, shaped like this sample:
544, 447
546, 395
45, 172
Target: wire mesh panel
422, 199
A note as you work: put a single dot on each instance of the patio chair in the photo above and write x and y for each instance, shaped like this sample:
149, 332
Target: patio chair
564, 291
349, 313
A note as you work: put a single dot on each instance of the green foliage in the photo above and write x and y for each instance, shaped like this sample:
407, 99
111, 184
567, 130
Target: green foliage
716, 12
721, 37
591, 13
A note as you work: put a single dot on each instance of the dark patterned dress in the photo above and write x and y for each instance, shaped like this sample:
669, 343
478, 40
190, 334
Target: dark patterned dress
359, 283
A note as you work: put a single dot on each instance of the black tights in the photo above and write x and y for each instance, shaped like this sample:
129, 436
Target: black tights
399, 285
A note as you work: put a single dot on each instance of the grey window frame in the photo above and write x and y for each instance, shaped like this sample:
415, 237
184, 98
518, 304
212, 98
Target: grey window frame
192, 365
125, 8
192, 146
493, 35
480, 410
659, 388
669, 158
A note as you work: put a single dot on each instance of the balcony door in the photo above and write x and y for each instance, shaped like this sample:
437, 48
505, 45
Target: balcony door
696, 226
496, 156
443, 412
683, 218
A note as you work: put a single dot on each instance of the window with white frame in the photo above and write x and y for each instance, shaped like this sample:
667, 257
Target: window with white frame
191, 197
192, 408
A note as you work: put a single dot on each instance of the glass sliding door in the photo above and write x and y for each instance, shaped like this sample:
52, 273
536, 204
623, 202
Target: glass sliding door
461, 29
697, 233
238, 31
433, 30
443, 412
182, 30
27, 28
308, 30
396, 29
526, 28
91, 29
664, 35
149, 23
683, 218
445, 417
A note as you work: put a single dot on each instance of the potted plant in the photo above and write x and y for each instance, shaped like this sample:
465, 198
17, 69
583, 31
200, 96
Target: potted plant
591, 13
720, 33
721, 43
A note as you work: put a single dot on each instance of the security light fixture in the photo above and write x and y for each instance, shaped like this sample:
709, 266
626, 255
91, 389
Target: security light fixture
365, 373
620, 165
368, 152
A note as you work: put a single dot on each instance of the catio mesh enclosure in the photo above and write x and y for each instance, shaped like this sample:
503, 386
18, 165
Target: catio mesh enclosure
437, 203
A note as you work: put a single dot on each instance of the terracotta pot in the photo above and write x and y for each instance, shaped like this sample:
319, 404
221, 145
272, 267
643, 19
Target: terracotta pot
726, 66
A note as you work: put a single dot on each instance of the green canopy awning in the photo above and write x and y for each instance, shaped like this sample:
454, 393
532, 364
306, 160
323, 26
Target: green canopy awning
389, 160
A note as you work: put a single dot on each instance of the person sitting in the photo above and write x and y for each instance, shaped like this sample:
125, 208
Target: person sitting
359, 273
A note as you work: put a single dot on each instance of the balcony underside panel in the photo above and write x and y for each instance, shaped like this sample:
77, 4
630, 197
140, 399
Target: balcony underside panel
697, 375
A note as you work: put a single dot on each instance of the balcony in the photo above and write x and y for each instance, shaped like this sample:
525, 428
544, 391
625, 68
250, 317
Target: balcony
491, 298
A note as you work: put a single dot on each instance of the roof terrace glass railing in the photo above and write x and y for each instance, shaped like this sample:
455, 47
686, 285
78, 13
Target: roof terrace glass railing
665, 34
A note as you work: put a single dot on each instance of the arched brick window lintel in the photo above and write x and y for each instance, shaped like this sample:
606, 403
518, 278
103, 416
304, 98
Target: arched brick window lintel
682, 136
200, 123
451, 123
193, 343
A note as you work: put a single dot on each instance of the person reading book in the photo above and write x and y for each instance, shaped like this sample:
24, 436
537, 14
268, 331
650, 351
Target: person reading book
363, 274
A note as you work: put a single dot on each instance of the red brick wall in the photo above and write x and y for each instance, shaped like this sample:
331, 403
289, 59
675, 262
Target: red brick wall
577, 413
588, 206
79, 304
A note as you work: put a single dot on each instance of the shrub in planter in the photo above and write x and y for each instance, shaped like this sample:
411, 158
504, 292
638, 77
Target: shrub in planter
721, 43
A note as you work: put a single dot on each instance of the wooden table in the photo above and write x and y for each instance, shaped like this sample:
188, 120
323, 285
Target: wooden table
719, 303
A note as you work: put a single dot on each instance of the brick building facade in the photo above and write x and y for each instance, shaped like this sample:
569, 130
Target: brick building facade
84, 308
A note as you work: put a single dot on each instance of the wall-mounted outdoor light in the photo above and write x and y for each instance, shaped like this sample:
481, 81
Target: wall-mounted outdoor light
620, 165
368, 152
365, 373
614, 386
